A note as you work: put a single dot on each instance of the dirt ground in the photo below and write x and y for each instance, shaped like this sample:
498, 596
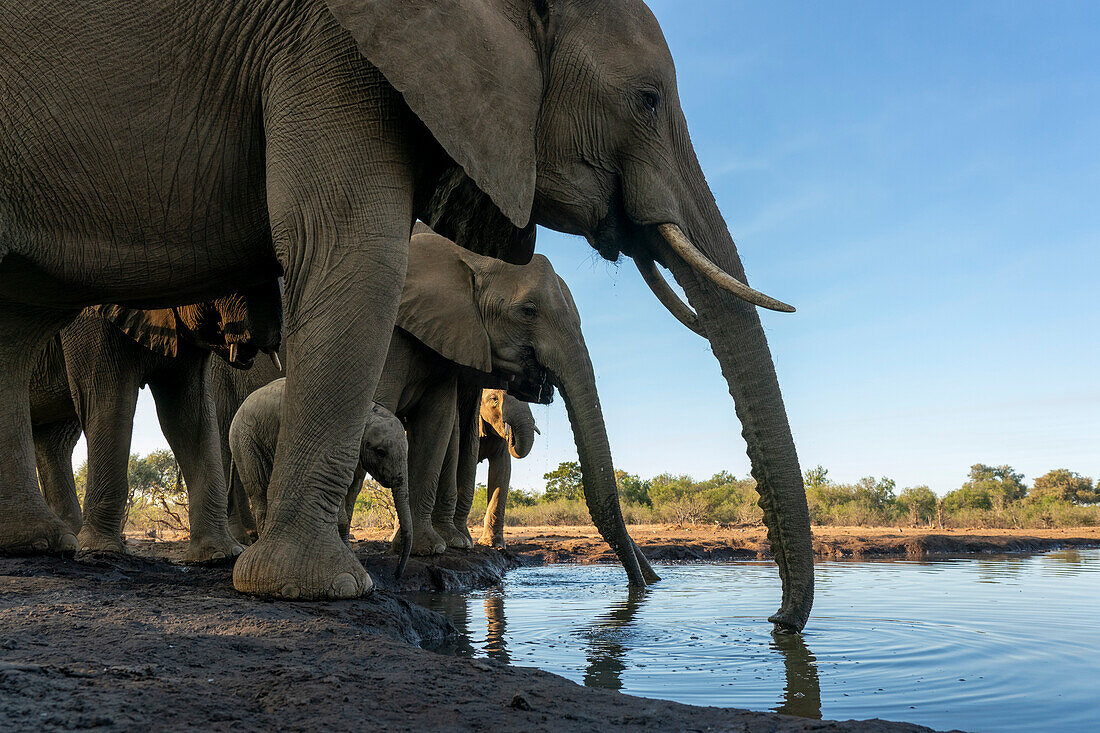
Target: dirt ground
706, 542
143, 641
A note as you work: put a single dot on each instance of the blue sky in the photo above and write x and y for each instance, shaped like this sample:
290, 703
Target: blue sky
920, 180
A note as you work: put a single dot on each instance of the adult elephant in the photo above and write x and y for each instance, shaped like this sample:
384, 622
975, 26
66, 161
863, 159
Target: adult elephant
88, 378
506, 430
484, 316
305, 136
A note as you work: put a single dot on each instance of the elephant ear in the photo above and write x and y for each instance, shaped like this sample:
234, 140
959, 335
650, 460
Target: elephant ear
438, 306
156, 330
471, 74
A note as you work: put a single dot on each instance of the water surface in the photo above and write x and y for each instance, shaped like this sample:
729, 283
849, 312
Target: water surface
990, 643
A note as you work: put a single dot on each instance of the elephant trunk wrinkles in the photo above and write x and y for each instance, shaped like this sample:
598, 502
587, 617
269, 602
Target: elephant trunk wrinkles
737, 339
521, 424
404, 524
577, 383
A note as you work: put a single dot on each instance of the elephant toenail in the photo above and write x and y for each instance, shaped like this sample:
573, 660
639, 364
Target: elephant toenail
290, 592
68, 543
41, 545
344, 585
217, 556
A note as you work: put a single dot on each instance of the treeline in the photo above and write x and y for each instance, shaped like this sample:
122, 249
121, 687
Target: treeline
992, 497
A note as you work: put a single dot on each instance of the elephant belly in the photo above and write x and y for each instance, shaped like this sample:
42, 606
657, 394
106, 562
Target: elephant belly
131, 160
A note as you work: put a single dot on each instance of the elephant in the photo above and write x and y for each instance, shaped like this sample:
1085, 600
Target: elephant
506, 430
230, 388
88, 378
383, 453
303, 138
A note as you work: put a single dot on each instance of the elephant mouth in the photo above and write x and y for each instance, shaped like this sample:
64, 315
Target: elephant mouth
537, 390
526, 378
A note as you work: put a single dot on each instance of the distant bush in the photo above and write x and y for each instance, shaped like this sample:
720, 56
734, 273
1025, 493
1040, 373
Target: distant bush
992, 497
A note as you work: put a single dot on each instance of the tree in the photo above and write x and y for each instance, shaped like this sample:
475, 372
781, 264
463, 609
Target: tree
632, 489
1000, 484
1065, 485
816, 477
877, 495
156, 475
967, 498
919, 502
564, 482
155, 480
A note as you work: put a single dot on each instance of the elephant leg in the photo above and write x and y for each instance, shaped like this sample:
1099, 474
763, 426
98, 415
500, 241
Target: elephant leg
340, 185
465, 471
53, 448
446, 496
430, 429
500, 476
347, 511
185, 407
249, 476
106, 399
242, 523
27, 524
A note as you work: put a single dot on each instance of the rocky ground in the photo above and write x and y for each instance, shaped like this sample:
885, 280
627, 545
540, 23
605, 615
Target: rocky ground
144, 641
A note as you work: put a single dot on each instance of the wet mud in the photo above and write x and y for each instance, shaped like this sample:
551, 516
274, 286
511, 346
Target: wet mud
137, 642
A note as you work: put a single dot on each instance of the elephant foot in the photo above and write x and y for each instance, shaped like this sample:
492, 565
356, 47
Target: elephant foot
426, 541
453, 536
242, 534
213, 550
41, 535
488, 539
94, 542
321, 569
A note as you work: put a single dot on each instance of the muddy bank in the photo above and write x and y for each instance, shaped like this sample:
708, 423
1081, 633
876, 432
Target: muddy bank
665, 543
141, 642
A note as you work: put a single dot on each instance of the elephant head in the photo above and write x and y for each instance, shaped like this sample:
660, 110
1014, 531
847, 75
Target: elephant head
235, 327
519, 322
384, 454
510, 420
566, 113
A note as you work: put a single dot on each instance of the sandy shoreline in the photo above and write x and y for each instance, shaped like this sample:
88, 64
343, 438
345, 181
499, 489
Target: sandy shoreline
142, 641
667, 543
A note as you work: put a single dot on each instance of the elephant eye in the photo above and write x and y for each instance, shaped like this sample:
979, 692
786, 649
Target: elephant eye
652, 101
530, 310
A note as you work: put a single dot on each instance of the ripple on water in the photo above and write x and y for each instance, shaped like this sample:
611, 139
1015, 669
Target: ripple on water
992, 643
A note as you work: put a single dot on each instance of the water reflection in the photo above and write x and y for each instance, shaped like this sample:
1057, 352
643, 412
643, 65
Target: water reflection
495, 645
802, 692
977, 643
607, 642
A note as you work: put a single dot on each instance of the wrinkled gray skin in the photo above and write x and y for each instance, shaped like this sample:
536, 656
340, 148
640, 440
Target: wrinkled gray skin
260, 136
518, 322
506, 430
383, 453
88, 378
230, 388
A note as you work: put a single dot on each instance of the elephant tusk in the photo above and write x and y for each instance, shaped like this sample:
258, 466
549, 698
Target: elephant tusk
233, 353
702, 265
668, 297
275, 360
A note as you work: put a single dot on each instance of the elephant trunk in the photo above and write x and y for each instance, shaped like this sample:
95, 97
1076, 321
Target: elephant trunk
576, 380
404, 524
737, 339
521, 427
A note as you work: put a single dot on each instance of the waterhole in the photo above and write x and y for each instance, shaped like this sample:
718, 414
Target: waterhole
989, 643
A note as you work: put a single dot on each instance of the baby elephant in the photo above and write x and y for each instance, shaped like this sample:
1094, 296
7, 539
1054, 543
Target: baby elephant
384, 454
